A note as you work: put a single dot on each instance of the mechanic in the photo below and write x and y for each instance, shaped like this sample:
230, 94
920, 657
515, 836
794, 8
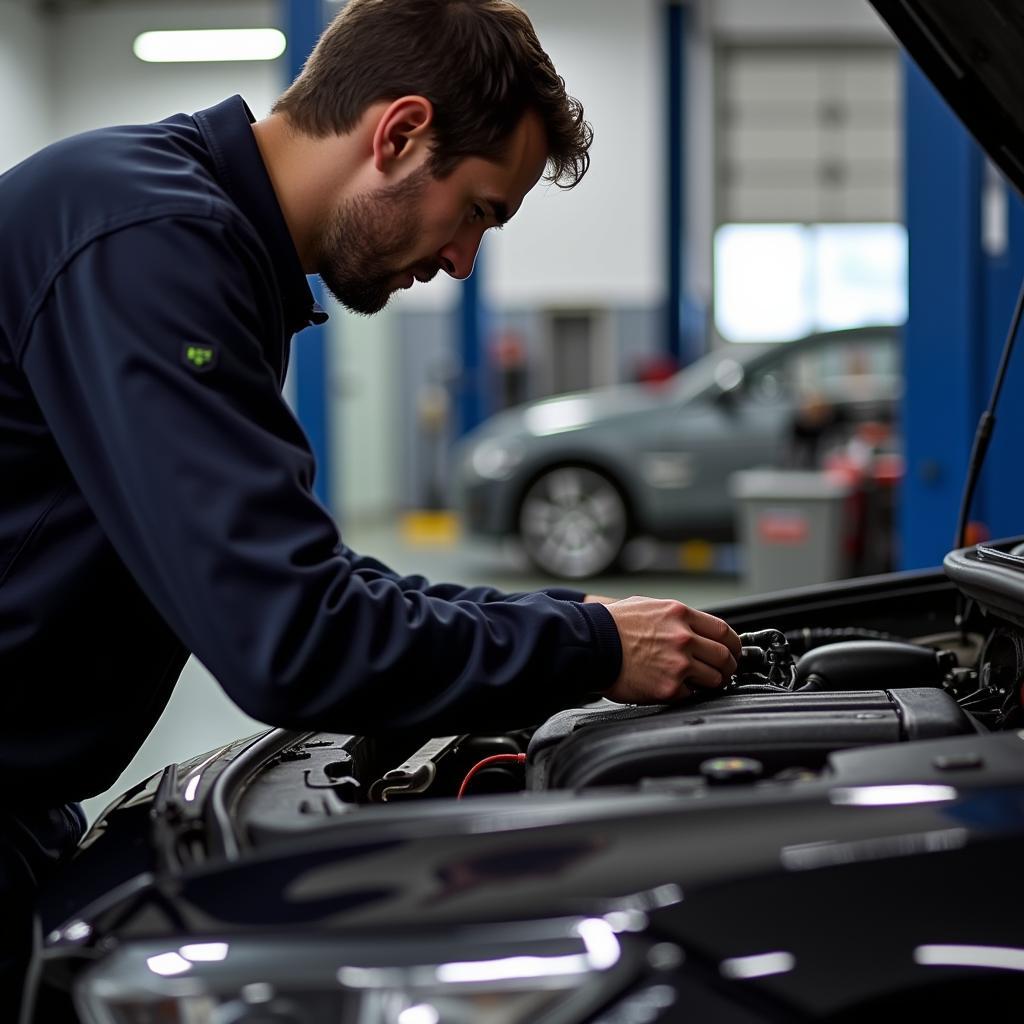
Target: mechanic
158, 490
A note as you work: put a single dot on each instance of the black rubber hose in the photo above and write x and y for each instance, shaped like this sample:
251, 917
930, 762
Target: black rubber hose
803, 640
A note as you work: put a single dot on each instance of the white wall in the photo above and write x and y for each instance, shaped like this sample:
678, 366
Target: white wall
600, 243
98, 81
791, 19
24, 82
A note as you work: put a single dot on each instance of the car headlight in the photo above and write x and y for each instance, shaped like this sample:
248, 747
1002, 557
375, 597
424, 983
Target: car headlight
524, 973
496, 460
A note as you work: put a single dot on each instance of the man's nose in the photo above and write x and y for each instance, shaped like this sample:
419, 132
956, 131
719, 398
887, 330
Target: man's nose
458, 257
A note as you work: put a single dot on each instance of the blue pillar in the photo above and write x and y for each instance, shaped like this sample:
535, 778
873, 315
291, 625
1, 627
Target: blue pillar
675, 177
303, 22
962, 295
472, 403
943, 361
1001, 491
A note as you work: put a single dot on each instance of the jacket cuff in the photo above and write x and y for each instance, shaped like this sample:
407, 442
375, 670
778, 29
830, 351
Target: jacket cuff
609, 646
564, 594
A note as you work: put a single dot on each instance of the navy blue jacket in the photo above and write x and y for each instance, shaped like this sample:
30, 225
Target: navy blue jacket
156, 489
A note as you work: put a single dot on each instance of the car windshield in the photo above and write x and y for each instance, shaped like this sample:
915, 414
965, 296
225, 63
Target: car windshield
843, 363
714, 369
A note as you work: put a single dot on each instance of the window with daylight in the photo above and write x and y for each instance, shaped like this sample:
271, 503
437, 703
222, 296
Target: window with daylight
778, 282
808, 200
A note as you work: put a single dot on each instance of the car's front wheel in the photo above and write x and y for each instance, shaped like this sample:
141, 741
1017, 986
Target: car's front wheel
573, 522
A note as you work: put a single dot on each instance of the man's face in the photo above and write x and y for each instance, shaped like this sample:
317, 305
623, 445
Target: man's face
382, 241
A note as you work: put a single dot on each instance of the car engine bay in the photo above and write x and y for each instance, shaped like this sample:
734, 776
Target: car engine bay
812, 692
867, 750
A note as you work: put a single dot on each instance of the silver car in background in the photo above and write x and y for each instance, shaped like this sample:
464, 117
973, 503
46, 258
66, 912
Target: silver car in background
576, 477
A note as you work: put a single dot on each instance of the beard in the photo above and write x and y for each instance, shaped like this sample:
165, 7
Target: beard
361, 249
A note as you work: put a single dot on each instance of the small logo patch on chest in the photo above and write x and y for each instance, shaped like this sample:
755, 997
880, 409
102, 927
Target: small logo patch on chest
200, 358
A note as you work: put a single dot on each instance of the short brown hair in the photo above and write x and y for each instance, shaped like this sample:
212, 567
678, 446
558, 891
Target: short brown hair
479, 62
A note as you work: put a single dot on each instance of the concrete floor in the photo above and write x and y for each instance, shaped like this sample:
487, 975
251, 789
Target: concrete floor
200, 717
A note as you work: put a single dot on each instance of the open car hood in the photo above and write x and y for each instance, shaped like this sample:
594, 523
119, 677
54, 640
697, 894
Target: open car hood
973, 52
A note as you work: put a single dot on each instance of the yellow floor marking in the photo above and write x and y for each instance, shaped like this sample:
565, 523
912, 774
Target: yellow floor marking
697, 556
430, 529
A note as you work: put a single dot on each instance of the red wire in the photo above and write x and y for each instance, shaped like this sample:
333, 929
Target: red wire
518, 758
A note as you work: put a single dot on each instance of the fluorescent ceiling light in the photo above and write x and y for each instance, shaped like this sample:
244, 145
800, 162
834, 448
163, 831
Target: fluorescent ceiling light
215, 44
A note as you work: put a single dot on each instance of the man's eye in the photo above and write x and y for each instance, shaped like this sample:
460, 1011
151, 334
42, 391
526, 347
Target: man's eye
478, 212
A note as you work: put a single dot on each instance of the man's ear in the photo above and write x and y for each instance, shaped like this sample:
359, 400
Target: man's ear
402, 133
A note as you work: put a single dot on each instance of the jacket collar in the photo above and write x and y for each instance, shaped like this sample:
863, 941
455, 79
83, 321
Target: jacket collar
226, 129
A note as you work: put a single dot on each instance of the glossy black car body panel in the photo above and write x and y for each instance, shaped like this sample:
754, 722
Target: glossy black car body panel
807, 865
971, 50
993, 578
850, 892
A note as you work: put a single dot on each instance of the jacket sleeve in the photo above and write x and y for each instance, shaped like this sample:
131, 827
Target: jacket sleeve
202, 480
370, 568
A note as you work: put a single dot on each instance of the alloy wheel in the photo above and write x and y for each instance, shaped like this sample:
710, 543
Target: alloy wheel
573, 522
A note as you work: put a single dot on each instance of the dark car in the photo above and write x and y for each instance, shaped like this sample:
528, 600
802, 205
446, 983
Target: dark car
577, 476
837, 836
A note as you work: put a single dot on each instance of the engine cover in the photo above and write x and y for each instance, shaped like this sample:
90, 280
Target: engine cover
615, 744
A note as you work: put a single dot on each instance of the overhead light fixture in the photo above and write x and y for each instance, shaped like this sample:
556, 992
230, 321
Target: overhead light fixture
213, 44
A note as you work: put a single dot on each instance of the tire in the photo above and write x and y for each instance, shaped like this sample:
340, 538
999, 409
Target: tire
573, 522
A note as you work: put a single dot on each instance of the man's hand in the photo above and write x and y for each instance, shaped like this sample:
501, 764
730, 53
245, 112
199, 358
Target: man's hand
669, 650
